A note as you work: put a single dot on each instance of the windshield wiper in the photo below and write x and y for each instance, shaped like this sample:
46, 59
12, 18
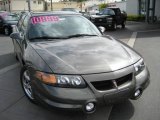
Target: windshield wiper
80, 35
47, 38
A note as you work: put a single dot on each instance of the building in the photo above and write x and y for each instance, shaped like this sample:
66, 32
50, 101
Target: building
59, 5
149, 8
21, 5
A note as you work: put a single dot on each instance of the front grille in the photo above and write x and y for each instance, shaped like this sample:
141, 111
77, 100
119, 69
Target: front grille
100, 20
112, 84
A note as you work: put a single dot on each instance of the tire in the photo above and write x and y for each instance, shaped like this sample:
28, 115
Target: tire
114, 27
16, 55
6, 31
123, 24
26, 84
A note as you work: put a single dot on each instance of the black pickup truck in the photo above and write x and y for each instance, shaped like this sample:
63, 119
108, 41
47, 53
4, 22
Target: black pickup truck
109, 17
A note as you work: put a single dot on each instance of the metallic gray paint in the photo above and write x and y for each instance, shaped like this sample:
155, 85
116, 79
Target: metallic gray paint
85, 55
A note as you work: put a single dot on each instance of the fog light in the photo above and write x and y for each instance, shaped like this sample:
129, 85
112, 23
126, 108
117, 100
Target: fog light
137, 93
90, 107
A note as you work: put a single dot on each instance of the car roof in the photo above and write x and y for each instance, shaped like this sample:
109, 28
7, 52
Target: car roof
54, 13
113, 7
4, 13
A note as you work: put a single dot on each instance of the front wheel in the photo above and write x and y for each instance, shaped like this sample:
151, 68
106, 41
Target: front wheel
123, 24
26, 84
15, 54
6, 31
114, 27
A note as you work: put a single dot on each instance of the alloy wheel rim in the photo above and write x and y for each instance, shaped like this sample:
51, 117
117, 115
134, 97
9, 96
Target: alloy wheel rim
6, 31
27, 84
115, 26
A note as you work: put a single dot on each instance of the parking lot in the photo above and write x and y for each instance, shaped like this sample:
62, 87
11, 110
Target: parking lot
15, 106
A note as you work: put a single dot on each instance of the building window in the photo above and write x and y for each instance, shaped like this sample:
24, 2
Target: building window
39, 2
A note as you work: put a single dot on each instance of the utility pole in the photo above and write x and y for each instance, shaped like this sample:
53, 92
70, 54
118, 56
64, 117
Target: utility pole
29, 5
9, 5
51, 6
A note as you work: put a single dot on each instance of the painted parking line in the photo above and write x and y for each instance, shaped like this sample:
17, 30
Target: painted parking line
8, 68
132, 39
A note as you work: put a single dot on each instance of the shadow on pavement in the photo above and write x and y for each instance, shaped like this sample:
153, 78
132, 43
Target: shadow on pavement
120, 33
2, 35
149, 34
7, 60
122, 111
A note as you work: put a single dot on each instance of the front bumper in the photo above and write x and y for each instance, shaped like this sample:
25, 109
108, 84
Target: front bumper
75, 98
104, 24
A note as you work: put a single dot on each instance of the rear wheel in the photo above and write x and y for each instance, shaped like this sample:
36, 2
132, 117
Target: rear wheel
26, 84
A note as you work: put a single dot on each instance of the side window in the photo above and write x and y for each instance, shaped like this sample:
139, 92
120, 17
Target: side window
111, 12
118, 11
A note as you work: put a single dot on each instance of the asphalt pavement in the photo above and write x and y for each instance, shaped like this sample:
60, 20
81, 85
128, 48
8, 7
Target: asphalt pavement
148, 106
15, 106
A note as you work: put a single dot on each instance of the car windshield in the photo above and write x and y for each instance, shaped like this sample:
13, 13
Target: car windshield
61, 27
11, 18
107, 12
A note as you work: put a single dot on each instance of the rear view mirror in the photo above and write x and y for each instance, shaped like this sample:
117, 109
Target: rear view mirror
15, 35
102, 29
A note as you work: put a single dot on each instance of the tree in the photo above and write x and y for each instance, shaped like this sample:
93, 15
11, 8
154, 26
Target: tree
79, 1
103, 6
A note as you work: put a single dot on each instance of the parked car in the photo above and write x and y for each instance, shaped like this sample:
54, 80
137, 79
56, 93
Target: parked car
7, 21
110, 17
68, 63
70, 9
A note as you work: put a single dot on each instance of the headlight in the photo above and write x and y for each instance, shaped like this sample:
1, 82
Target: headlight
73, 81
139, 66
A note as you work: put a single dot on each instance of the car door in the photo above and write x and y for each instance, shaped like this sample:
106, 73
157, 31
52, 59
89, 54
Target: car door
17, 42
118, 16
23, 42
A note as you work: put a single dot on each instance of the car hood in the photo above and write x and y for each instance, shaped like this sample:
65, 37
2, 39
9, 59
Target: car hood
85, 55
99, 16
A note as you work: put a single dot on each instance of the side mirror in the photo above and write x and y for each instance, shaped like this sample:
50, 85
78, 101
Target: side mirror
14, 28
15, 35
102, 29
